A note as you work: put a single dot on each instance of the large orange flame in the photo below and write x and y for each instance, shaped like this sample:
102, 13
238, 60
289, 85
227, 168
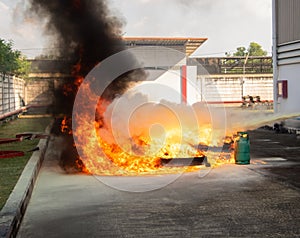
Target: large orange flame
108, 150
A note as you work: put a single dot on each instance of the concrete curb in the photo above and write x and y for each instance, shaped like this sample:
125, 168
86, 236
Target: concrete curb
14, 209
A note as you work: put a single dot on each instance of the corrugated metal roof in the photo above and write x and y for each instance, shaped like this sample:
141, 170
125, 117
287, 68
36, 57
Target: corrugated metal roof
189, 45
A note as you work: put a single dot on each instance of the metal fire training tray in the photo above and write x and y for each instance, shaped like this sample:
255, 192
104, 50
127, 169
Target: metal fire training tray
180, 162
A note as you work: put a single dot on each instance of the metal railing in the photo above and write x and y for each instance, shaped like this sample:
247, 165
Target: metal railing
235, 65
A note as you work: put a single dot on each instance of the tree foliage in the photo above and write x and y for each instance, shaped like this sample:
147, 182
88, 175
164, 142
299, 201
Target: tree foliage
12, 61
240, 51
254, 49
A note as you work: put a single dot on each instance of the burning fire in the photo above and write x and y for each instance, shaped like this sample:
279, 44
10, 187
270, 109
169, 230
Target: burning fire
65, 126
130, 136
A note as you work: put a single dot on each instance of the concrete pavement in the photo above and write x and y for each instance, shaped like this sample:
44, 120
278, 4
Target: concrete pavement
230, 201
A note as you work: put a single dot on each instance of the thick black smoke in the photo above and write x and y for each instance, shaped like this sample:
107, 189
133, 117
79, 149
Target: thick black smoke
82, 30
84, 33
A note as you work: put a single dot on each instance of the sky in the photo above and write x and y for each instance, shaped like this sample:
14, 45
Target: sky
227, 24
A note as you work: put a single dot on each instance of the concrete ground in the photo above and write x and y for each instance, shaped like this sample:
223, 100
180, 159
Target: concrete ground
257, 200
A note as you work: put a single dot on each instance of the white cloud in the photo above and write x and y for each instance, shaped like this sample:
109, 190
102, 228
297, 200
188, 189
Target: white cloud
3, 7
23, 31
144, 1
227, 24
141, 24
5, 14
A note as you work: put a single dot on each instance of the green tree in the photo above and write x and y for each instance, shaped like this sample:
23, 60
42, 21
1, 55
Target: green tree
254, 49
12, 61
240, 51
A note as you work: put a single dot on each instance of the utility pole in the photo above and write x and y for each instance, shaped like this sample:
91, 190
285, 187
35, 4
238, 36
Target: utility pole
244, 71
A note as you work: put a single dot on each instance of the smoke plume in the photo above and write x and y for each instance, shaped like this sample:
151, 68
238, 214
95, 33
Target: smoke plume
81, 30
83, 33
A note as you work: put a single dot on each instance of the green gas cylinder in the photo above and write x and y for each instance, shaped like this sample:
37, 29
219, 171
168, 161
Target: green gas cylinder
242, 148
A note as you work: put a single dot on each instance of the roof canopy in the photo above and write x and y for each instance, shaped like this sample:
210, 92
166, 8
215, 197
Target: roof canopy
184, 44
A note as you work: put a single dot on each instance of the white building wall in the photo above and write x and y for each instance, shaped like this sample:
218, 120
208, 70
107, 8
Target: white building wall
291, 73
288, 68
286, 54
259, 86
168, 86
232, 88
207, 89
193, 87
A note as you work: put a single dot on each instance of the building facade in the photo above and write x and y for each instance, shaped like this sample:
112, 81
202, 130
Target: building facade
286, 55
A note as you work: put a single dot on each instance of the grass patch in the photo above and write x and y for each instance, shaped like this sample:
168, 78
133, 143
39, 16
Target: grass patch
11, 168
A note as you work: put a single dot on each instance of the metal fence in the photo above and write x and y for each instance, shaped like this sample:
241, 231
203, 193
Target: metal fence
235, 64
12, 92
